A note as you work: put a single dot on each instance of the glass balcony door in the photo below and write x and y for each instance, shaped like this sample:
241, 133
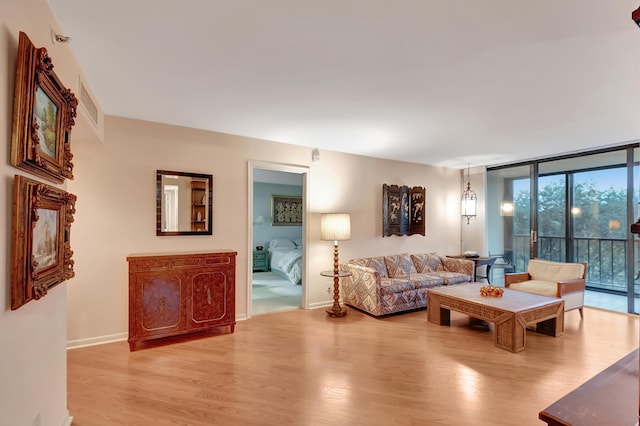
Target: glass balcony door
571, 209
509, 216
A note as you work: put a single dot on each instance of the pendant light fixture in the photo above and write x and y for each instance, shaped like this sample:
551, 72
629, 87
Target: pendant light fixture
469, 200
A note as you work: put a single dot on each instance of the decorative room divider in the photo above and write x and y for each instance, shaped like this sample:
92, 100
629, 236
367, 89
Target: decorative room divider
403, 210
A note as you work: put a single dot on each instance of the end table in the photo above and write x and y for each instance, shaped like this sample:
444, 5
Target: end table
336, 310
260, 261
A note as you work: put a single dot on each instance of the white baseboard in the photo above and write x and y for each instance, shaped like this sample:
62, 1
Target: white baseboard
67, 420
319, 305
100, 340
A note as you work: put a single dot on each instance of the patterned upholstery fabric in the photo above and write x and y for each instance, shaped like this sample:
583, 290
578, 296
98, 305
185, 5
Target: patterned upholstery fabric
461, 266
399, 265
374, 290
426, 280
395, 285
453, 277
377, 263
427, 262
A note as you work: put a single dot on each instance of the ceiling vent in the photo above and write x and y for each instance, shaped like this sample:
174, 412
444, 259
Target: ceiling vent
87, 102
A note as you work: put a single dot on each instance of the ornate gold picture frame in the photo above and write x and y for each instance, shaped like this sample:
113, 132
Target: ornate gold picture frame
44, 112
41, 250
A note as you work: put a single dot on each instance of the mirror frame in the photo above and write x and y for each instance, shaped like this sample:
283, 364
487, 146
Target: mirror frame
209, 206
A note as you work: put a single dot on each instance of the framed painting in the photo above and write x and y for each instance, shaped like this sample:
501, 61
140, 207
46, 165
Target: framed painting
286, 210
44, 112
41, 250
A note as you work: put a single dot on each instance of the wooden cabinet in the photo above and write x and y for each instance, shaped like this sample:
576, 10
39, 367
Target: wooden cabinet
178, 293
198, 205
260, 261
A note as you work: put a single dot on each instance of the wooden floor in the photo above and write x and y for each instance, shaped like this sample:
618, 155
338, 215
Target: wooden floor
303, 368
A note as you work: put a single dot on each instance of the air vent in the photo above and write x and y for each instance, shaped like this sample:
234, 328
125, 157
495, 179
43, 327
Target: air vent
88, 103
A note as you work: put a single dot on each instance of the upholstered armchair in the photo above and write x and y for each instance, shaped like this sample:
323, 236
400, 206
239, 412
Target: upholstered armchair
553, 279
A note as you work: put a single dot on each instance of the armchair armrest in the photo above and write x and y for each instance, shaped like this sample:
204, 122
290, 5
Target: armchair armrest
516, 278
571, 286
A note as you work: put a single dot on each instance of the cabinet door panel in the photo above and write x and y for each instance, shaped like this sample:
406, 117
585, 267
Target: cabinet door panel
209, 296
160, 302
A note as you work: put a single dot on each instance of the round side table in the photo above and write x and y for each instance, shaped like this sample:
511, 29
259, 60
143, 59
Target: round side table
336, 310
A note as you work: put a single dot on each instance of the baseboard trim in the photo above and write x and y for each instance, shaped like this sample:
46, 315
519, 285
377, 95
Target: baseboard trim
68, 420
319, 305
100, 340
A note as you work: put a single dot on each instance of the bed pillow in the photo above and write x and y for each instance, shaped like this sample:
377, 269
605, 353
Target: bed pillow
298, 242
281, 243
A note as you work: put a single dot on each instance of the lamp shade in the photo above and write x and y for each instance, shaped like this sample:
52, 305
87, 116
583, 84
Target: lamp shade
335, 226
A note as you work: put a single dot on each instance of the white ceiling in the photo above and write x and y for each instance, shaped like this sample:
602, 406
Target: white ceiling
441, 82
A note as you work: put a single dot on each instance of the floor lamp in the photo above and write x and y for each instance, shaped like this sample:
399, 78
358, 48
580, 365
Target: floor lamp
335, 227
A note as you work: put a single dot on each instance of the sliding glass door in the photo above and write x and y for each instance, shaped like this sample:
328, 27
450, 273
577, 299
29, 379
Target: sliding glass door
571, 209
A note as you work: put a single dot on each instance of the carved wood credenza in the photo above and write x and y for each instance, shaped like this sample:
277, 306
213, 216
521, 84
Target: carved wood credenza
172, 294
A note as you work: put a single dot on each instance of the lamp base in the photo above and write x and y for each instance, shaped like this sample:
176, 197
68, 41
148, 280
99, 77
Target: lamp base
337, 311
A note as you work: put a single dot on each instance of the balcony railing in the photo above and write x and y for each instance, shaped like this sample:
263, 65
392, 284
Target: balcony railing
606, 259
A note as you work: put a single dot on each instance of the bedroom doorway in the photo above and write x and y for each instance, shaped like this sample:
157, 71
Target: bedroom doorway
277, 265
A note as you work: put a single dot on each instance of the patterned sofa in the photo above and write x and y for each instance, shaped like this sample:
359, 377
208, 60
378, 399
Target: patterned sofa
384, 285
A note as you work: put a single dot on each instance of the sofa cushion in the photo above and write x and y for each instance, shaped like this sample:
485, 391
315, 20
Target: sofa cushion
543, 288
395, 285
399, 265
452, 277
375, 263
427, 262
426, 280
545, 270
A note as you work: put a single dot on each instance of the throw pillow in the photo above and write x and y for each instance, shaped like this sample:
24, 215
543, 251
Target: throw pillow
425, 263
399, 265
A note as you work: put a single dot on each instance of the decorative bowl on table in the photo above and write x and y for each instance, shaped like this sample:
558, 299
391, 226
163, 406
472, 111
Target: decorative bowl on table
491, 291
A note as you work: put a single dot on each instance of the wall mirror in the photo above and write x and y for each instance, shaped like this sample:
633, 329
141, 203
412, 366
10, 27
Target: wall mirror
183, 203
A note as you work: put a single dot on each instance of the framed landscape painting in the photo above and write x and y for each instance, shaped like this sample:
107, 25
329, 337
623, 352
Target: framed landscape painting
41, 250
44, 112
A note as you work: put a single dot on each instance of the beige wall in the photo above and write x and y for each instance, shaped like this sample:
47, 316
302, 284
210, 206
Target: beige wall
33, 338
115, 185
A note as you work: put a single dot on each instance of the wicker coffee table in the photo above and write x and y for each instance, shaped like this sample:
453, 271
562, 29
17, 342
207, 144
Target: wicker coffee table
511, 313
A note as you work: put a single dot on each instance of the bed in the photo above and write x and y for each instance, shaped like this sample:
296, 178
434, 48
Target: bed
285, 257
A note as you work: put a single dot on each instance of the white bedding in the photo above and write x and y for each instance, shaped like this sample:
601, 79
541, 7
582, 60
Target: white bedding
287, 262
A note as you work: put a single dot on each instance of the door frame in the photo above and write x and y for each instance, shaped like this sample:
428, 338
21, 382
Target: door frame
278, 167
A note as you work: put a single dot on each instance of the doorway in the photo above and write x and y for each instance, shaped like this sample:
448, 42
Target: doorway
277, 267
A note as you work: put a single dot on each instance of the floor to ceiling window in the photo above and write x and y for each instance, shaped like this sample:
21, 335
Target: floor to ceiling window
571, 209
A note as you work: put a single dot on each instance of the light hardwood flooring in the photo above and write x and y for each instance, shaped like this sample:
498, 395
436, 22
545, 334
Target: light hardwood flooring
302, 368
